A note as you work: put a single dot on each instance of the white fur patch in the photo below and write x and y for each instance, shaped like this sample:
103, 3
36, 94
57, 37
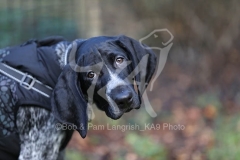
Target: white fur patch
113, 83
90, 112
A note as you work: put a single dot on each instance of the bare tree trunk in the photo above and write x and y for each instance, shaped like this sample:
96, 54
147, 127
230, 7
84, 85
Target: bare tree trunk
94, 27
89, 13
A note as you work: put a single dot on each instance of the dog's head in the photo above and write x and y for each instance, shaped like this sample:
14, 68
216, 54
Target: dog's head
102, 70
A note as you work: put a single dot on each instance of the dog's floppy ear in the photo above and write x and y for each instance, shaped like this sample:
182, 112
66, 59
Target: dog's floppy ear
143, 61
68, 103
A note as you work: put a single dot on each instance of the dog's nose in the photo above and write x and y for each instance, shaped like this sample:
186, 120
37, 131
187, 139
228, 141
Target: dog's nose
123, 99
122, 96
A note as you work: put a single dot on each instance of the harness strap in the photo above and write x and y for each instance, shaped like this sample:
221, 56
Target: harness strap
25, 80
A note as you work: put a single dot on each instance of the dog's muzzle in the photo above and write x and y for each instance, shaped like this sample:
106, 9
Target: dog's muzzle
123, 99
122, 96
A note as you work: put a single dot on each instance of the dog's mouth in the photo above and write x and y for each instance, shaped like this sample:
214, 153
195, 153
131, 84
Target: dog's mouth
118, 101
116, 113
121, 99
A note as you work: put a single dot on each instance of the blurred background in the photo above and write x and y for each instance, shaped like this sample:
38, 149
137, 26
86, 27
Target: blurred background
198, 87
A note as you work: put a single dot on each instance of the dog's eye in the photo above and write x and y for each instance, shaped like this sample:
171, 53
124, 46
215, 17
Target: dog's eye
91, 74
119, 60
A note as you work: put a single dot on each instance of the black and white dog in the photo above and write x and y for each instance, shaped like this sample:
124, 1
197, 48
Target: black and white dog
100, 70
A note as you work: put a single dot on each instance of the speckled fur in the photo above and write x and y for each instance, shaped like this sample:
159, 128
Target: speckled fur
39, 138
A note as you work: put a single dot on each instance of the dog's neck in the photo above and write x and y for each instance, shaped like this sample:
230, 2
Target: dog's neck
61, 51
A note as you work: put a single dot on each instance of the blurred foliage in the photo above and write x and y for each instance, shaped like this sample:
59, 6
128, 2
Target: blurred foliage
74, 155
6, 26
208, 98
146, 147
227, 139
18, 23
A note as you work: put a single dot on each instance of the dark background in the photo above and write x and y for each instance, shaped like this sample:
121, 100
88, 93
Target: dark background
198, 87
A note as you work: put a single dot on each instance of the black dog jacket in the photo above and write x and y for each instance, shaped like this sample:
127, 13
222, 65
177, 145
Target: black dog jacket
37, 58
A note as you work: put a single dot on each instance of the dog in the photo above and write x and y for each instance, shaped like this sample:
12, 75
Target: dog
108, 72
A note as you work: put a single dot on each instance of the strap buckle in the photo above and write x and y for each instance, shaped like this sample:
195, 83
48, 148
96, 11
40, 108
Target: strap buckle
31, 81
